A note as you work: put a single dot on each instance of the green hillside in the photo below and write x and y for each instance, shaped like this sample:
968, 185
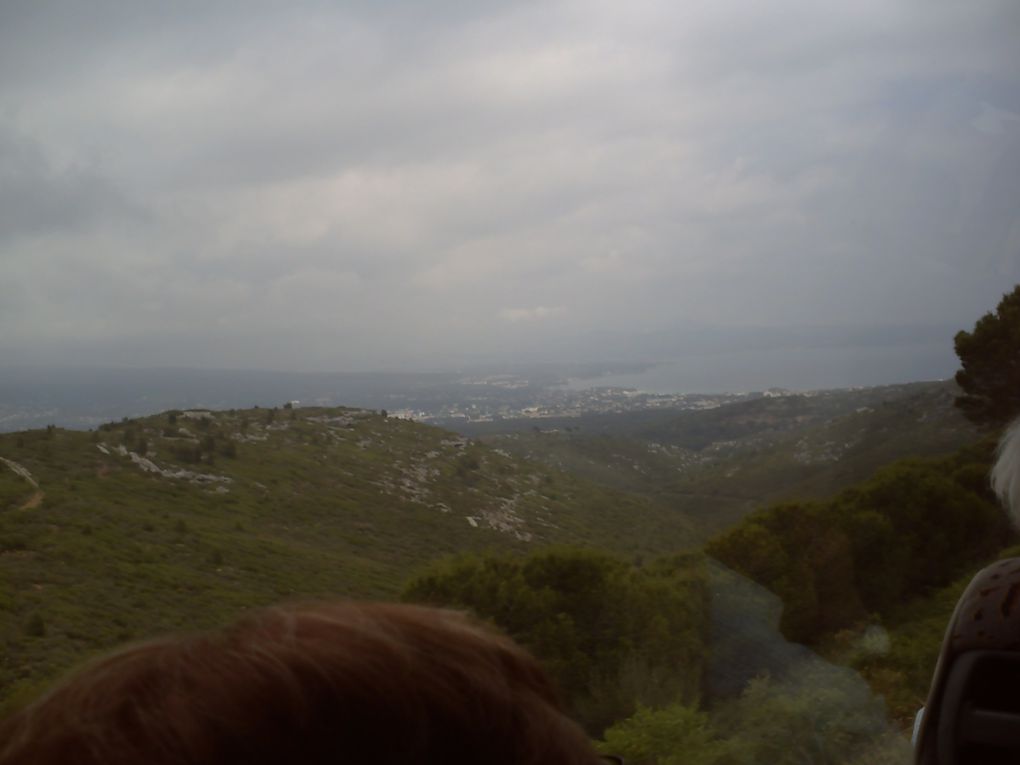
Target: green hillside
718, 465
180, 520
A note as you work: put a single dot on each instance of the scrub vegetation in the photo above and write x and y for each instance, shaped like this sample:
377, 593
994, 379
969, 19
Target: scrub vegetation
231, 510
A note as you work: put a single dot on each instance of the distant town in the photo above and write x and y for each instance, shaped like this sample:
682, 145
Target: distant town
558, 402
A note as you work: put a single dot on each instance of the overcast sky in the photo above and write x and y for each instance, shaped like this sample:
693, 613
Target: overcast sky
359, 185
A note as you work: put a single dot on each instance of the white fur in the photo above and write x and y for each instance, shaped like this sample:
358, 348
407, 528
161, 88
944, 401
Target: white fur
1006, 473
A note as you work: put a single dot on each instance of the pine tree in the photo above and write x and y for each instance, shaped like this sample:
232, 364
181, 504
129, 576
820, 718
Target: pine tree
990, 357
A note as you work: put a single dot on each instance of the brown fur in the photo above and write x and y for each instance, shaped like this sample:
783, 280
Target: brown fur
336, 683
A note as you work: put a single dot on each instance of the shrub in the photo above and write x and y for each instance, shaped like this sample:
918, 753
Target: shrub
676, 735
611, 635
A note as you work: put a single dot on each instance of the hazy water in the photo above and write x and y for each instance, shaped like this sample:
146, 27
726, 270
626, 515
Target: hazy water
793, 368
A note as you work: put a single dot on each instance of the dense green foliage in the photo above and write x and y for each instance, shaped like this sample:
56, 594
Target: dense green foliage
990, 357
678, 734
915, 526
612, 635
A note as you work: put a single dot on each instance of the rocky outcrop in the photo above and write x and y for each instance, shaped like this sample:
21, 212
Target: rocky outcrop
20, 470
148, 466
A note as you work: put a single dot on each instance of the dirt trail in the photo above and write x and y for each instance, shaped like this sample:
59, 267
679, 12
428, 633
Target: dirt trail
34, 501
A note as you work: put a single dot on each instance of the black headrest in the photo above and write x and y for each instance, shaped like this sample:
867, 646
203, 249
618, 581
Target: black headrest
979, 719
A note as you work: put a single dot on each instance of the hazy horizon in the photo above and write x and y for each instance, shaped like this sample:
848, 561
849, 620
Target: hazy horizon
358, 187
88, 396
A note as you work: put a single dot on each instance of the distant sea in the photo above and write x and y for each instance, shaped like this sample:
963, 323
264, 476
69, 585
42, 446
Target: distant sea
791, 368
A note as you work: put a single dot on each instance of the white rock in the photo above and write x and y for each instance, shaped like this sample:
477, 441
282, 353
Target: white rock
20, 470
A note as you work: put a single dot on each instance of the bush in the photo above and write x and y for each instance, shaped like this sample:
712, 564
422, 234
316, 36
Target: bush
915, 526
821, 716
612, 636
676, 735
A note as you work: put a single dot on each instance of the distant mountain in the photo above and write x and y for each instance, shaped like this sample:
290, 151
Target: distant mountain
178, 520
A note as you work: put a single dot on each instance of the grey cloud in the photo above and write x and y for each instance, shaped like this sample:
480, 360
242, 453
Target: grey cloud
36, 197
335, 185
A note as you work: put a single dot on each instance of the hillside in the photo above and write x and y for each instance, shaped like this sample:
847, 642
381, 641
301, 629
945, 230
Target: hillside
719, 464
179, 520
